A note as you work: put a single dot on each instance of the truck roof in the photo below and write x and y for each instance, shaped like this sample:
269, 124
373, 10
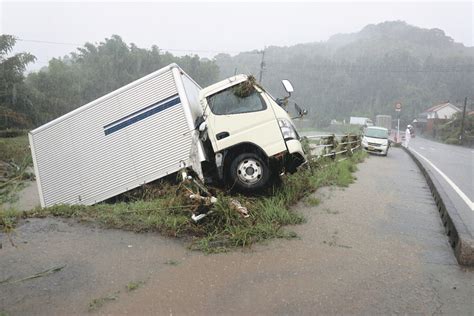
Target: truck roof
222, 85
107, 96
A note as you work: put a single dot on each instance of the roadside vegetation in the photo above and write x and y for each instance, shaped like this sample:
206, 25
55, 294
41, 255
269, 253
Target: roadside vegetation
449, 132
15, 160
166, 208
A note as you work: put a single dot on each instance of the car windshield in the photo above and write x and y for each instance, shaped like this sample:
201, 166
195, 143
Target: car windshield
376, 133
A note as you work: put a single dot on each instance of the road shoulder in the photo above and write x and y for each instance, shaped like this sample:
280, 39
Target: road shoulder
461, 240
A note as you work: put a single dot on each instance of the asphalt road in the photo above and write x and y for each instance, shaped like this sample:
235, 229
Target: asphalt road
457, 164
376, 247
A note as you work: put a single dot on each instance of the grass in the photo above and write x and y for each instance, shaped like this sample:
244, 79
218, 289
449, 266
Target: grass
15, 158
312, 201
172, 262
15, 149
132, 286
97, 303
165, 208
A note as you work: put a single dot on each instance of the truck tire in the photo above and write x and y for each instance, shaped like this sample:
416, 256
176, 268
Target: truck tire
249, 172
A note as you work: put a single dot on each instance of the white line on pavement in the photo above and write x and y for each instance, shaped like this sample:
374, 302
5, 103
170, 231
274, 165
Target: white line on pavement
449, 181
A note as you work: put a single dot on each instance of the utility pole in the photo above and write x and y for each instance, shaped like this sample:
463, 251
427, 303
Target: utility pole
262, 67
461, 136
398, 108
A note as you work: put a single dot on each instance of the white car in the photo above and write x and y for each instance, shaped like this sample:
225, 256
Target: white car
375, 140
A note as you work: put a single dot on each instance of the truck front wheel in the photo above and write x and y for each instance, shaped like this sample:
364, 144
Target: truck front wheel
249, 172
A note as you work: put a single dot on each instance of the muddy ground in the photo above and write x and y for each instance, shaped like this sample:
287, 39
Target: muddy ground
375, 247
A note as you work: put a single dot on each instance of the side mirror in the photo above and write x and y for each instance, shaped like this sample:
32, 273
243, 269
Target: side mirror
288, 86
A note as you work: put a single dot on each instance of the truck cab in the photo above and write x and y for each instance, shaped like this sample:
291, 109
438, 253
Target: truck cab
250, 138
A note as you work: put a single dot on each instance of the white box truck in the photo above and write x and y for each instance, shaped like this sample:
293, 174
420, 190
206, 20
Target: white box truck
157, 125
364, 121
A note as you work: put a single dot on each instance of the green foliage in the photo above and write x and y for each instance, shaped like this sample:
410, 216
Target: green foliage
450, 131
15, 149
15, 105
97, 303
14, 132
15, 158
132, 286
245, 88
95, 70
312, 201
365, 73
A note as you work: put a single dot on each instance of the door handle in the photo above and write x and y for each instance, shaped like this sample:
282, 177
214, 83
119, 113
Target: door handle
222, 135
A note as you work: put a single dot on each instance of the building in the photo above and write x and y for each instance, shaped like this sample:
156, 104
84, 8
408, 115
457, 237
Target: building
437, 114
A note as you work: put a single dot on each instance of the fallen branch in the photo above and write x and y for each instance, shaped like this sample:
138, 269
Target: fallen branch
37, 275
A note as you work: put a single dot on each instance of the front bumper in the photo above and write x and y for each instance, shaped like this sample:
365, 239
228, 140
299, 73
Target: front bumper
296, 157
294, 147
380, 150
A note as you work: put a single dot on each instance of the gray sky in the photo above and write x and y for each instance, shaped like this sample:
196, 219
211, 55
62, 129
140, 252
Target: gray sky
207, 28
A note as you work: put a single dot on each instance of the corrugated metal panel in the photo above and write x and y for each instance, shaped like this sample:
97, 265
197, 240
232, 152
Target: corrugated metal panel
78, 163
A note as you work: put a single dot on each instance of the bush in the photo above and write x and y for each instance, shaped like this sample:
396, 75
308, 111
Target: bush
10, 133
452, 141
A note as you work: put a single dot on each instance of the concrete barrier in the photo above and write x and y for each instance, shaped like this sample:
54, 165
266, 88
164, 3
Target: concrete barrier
459, 236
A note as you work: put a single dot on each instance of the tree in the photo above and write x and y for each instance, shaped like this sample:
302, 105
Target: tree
97, 69
15, 105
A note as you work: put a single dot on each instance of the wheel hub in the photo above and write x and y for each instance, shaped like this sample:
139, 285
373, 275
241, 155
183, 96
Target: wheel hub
249, 171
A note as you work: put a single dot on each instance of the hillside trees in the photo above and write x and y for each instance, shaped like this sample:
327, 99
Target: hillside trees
15, 105
97, 69
366, 73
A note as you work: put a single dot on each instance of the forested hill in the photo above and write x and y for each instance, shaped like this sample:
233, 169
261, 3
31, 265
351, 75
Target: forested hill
367, 72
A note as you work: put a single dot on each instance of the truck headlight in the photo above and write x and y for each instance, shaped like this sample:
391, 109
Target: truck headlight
287, 129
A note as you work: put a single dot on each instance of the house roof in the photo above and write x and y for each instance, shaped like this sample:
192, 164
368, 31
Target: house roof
441, 106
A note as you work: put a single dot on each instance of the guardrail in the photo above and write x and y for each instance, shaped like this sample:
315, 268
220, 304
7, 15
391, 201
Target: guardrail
333, 145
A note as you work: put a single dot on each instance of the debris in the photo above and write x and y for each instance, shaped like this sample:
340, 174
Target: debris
239, 208
99, 302
6, 280
203, 199
132, 286
196, 218
37, 275
245, 88
206, 199
172, 262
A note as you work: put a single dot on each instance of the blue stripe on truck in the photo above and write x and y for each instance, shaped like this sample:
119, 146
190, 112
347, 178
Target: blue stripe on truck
141, 114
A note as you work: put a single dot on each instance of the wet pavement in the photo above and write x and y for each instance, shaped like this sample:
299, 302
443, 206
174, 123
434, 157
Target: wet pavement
456, 163
376, 247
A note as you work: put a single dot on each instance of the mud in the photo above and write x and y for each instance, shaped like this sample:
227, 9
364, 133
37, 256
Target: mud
375, 247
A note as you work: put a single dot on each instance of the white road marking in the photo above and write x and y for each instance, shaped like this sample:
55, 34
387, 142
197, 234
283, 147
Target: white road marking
463, 196
422, 148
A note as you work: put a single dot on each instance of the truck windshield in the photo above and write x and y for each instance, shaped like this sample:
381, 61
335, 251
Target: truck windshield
228, 102
376, 133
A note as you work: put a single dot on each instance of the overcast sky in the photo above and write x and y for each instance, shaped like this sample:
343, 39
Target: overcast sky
207, 28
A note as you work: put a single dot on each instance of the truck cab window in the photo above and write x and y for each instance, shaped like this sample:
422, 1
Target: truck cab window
227, 102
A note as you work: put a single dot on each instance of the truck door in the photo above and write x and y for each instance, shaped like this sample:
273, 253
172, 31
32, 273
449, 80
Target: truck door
235, 119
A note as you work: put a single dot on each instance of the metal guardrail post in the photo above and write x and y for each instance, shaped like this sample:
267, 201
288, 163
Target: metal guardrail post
333, 145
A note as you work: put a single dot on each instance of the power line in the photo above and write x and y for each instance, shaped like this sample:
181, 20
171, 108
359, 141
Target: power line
163, 49
322, 68
48, 42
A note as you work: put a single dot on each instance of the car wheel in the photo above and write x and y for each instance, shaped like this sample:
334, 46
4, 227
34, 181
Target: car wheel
249, 172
